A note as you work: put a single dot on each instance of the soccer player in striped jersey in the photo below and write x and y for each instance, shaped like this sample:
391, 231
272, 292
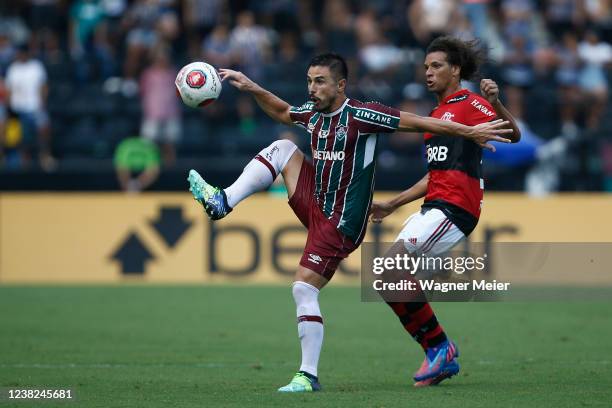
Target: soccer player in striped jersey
453, 190
331, 195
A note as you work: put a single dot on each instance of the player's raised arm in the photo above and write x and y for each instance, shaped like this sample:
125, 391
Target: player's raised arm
479, 134
490, 90
274, 106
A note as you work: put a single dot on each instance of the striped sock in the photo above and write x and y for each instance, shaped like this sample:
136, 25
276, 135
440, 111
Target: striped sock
420, 321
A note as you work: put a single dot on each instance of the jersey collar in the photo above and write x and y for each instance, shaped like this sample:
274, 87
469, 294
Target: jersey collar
454, 95
337, 111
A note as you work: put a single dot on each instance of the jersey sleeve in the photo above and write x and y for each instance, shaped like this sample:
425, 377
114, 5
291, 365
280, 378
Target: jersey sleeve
478, 111
300, 115
374, 117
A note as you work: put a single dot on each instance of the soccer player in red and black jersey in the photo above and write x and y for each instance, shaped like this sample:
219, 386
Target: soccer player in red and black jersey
331, 195
453, 189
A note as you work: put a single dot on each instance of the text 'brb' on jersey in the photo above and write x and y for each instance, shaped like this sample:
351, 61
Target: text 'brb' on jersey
343, 147
455, 163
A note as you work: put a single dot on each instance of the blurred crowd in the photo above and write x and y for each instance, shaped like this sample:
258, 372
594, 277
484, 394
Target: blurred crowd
77, 77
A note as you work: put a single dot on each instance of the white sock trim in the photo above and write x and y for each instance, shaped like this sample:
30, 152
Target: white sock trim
278, 154
306, 285
290, 150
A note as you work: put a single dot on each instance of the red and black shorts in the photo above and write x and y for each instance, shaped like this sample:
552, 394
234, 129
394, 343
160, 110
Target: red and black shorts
325, 246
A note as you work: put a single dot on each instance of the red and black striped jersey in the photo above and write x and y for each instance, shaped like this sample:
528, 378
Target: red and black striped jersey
455, 163
343, 147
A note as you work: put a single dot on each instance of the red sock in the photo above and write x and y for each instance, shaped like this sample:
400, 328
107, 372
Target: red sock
420, 321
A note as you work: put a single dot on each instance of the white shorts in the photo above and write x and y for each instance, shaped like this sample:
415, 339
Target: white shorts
429, 232
168, 130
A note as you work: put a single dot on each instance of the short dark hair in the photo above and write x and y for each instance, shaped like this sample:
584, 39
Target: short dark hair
337, 64
468, 55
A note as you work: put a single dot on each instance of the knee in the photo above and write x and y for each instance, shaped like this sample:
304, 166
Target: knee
278, 153
302, 290
284, 145
306, 298
281, 151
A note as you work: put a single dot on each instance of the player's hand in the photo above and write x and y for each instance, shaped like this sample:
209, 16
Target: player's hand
237, 79
486, 132
380, 210
489, 90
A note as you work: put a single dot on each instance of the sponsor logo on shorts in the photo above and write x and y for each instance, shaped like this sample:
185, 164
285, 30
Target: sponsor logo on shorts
316, 259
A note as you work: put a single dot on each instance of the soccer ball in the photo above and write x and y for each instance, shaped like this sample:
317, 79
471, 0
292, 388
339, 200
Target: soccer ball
198, 84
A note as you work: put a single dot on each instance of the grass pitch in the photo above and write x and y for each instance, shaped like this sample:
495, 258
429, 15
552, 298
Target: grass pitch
142, 346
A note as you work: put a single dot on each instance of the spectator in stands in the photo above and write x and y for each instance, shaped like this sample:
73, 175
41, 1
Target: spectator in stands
564, 16
246, 116
517, 72
477, 13
429, 19
88, 46
26, 82
201, 17
251, 44
216, 48
149, 23
161, 110
7, 52
288, 65
137, 164
13, 25
596, 55
3, 119
44, 19
339, 28
599, 15
113, 11
567, 75
376, 53
12, 142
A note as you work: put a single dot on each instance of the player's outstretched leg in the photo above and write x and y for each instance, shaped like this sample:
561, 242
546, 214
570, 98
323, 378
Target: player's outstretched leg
258, 175
212, 198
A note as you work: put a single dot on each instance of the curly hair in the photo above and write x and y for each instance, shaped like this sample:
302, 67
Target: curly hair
467, 55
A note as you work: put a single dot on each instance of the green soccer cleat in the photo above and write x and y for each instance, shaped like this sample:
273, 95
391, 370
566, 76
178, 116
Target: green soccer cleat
212, 198
302, 382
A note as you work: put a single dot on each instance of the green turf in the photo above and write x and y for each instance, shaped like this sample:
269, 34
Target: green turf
233, 346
